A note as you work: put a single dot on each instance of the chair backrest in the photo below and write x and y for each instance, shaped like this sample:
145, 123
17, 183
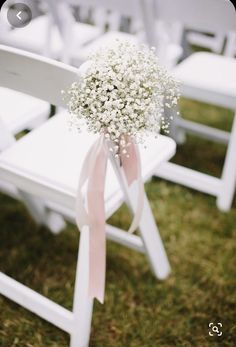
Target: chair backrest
35, 75
141, 10
114, 13
217, 16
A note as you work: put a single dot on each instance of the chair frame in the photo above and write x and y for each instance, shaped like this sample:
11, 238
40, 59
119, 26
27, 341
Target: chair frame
220, 18
14, 73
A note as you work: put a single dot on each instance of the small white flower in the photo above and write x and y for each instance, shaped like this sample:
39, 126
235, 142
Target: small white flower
124, 91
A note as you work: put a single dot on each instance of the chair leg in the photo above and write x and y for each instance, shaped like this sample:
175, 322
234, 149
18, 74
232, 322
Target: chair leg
54, 221
35, 206
153, 244
82, 306
152, 241
149, 233
225, 196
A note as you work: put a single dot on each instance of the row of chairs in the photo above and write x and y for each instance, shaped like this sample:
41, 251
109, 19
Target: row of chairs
62, 37
42, 164
54, 23
209, 78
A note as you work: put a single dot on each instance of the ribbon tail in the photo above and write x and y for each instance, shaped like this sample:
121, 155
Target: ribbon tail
96, 212
97, 264
94, 172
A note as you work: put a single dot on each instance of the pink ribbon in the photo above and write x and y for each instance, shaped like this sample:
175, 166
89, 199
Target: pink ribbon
92, 211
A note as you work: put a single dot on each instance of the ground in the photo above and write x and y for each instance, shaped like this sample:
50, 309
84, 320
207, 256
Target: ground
139, 311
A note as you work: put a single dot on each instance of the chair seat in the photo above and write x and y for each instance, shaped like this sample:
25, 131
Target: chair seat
208, 77
19, 111
34, 37
47, 162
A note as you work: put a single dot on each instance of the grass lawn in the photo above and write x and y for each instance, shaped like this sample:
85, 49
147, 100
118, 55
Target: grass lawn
139, 311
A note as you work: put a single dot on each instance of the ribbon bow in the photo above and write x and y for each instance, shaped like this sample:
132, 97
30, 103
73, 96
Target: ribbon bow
91, 212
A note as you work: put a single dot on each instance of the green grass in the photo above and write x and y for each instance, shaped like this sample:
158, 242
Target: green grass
139, 311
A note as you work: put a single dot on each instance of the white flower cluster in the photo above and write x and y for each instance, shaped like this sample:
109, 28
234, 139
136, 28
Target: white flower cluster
124, 91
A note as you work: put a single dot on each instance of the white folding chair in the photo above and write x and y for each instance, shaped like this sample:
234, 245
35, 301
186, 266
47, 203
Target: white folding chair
18, 112
42, 36
47, 162
209, 78
110, 14
40, 211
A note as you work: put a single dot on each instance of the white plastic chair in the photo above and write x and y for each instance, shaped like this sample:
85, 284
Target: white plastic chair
42, 36
40, 211
47, 162
110, 13
18, 112
209, 78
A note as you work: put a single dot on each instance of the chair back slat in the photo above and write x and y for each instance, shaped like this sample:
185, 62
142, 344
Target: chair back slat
35, 75
204, 15
99, 17
130, 8
63, 17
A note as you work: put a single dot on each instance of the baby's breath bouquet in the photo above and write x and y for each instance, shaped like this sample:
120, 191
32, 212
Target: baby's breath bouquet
123, 94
